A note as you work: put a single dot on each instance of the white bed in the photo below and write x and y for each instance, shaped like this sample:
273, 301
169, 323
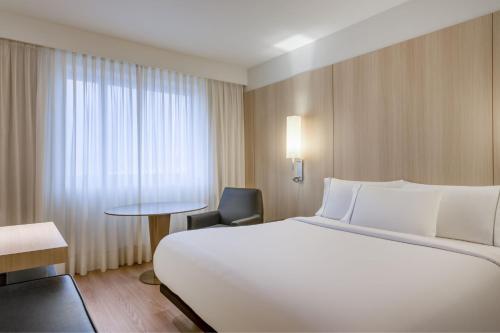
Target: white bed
318, 274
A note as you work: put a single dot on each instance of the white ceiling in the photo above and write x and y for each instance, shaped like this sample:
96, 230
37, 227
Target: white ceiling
241, 32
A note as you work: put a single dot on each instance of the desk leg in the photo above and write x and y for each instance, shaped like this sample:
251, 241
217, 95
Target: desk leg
159, 227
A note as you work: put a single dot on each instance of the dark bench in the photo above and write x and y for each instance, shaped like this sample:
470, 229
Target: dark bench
51, 304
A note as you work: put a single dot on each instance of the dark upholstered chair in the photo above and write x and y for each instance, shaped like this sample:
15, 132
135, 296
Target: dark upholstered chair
237, 207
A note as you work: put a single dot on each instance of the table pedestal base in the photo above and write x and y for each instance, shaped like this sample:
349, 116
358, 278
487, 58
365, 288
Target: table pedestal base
159, 227
149, 277
158, 214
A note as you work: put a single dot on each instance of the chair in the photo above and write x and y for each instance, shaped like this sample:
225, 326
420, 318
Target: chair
237, 207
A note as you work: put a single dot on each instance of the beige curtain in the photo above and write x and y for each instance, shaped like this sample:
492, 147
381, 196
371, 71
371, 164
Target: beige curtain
225, 102
19, 130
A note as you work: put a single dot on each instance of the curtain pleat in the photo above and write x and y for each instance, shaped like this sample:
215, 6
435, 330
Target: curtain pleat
19, 184
226, 129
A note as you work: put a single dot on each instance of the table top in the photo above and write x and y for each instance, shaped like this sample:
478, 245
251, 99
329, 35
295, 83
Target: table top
31, 245
155, 208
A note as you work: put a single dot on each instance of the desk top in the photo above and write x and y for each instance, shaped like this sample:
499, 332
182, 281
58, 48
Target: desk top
156, 208
31, 245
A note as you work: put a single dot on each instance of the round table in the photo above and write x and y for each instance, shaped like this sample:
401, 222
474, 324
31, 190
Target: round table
158, 214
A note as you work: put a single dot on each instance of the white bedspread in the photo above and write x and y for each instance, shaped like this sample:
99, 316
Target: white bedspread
315, 274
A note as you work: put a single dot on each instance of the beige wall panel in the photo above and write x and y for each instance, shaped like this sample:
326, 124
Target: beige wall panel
266, 171
308, 95
419, 110
496, 95
249, 100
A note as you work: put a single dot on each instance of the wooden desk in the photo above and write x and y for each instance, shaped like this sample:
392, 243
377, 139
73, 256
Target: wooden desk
31, 245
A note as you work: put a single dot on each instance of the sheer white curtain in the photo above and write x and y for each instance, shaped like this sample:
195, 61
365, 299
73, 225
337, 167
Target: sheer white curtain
118, 133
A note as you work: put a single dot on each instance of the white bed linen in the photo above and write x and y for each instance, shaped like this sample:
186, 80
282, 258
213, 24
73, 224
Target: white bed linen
317, 274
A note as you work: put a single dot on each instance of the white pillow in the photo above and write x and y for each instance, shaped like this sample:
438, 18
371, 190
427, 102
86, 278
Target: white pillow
347, 216
326, 191
496, 233
466, 212
412, 211
337, 195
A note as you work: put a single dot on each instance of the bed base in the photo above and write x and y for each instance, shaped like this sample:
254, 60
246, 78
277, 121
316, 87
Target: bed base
186, 309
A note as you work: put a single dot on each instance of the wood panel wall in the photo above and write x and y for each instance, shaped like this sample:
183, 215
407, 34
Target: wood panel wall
421, 110
496, 96
308, 95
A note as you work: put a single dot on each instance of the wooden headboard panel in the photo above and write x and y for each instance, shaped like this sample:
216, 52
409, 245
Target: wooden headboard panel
421, 110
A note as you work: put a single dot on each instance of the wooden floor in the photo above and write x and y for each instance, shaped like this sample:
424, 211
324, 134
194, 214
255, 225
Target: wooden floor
119, 302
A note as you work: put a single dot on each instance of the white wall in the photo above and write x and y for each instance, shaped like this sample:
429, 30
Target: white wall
409, 20
31, 30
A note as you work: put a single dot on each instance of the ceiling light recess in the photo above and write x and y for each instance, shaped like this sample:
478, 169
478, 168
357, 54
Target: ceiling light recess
293, 42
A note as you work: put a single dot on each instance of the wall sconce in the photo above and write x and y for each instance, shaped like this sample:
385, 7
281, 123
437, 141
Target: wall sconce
294, 146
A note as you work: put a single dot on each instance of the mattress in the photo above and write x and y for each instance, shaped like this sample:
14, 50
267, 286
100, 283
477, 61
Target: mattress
316, 274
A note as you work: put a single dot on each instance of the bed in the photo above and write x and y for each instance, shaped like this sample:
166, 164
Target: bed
321, 274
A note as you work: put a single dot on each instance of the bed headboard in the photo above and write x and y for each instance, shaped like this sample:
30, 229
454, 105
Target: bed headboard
423, 110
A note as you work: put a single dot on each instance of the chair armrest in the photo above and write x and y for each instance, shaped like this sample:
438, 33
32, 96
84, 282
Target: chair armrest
254, 219
203, 220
